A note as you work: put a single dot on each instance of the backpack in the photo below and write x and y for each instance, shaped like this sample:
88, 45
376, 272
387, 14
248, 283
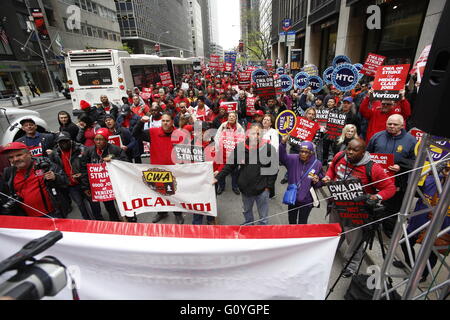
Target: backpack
358, 290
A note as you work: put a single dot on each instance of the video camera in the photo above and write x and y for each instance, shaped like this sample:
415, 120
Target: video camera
33, 281
373, 207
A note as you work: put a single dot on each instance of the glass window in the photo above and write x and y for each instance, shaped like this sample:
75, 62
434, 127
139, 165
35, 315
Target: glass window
94, 8
83, 4
89, 31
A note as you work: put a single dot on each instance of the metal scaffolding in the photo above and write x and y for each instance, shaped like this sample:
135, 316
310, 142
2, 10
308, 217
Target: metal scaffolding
409, 281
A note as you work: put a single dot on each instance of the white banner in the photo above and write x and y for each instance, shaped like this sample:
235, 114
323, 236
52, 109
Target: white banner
121, 261
142, 188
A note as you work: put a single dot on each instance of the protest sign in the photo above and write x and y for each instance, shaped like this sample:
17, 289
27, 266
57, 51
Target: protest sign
372, 63
166, 79
421, 63
286, 122
280, 71
335, 124
358, 66
115, 140
345, 77
327, 75
229, 67
160, 188
305, 130
352, 213
257, 73
389, 80
322, 117
269, 63
188, 153
316, 83
300, 80
311, 70
245, 78
265, 87
286, 83
99, 180
214, 62
231, 106
385, 160
416, 133
251, 111
338, 60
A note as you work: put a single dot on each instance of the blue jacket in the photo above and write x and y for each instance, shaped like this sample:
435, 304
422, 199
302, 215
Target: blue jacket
401, 146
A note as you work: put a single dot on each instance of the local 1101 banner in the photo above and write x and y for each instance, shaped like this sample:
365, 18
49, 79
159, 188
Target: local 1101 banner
141, 188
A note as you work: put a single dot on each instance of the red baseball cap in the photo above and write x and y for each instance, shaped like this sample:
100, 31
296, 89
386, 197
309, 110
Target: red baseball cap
156, 96
159, 84
14, 146
259, 113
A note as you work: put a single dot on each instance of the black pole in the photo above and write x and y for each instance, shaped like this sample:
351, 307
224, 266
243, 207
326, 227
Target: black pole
287, 53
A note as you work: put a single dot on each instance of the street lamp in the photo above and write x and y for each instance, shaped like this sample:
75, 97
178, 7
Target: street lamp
158, 45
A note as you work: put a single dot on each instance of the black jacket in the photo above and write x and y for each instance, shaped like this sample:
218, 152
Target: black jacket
55, 188
250, 180
91, 156
76, 159
72, 129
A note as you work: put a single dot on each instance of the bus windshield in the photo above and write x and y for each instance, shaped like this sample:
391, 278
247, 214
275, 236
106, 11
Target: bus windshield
94, 77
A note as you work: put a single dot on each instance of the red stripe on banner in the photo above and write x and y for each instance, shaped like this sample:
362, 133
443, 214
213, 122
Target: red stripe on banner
173, 231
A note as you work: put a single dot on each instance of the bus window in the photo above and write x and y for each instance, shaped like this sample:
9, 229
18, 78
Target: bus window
144, 76
94, 77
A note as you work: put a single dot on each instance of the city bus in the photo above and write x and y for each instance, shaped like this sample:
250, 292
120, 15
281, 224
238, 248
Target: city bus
96, 72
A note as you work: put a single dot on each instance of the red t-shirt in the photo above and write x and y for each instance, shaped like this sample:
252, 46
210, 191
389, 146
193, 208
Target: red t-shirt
65, 156
126, 122
28, 190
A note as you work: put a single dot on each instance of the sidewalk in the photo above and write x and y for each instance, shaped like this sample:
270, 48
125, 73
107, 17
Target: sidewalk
46, 97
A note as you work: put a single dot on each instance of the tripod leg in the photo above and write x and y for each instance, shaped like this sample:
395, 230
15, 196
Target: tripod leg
345, 267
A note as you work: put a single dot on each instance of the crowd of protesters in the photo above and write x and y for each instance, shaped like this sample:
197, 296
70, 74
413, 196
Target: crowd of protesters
48, 171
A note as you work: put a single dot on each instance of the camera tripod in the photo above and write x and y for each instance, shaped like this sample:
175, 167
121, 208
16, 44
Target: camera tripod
367, 240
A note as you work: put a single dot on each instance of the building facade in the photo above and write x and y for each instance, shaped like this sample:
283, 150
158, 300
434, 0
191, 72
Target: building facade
20, 56
206, 24
327, 28
217, 49
250, 18
144, 24
195, 12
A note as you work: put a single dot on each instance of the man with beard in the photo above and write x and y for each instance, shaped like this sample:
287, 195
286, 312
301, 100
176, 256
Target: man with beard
68, 155
256, 175
355, 164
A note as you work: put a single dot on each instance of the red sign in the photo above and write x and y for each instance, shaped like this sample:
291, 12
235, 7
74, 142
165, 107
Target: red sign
228, 67
372, 63
305, 130
421, 63
389, 80
115, 140
269, 63
245, 79
385, 160
231, 106
147, 90
416, 133
101, 186
251, 106
166, 79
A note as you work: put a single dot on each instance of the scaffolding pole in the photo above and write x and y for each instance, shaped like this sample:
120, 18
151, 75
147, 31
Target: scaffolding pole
410, 280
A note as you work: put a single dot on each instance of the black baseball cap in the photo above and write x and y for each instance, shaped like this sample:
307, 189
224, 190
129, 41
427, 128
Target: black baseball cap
26, 120
62, 136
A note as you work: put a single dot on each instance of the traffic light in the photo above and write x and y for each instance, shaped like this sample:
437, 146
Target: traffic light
157, 47
241, 46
